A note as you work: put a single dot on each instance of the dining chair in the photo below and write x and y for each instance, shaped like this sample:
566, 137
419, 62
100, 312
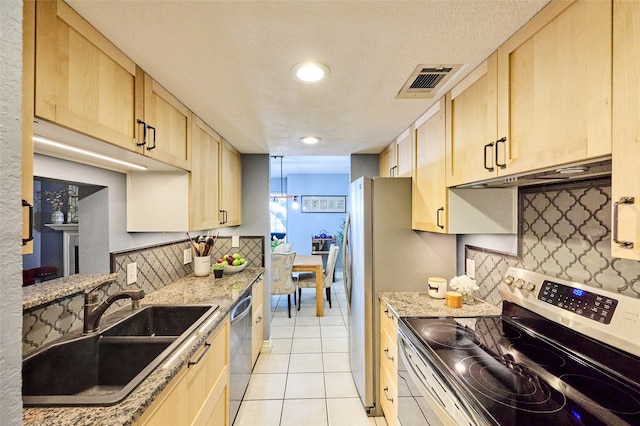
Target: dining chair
281, 276
308, 280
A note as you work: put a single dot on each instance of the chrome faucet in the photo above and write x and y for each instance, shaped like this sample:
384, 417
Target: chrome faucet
93, 312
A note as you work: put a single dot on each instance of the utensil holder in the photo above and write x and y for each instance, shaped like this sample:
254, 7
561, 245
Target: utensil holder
201, 266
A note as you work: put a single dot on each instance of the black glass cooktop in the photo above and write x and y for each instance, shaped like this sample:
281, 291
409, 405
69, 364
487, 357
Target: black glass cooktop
516, 376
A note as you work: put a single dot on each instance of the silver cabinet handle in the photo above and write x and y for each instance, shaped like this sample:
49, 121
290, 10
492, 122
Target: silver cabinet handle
386, 313
207, 346
386, 394
621, 243
386, 353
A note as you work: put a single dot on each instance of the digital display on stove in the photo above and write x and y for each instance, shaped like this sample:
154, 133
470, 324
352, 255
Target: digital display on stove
582, 302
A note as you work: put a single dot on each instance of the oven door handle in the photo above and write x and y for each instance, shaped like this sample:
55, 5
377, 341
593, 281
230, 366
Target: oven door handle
415, 373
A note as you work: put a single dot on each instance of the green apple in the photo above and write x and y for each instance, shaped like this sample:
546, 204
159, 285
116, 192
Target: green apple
236, 262
236, 255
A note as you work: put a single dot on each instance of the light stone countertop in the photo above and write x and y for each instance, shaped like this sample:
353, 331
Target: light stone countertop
224, 292
47, 291
416, 304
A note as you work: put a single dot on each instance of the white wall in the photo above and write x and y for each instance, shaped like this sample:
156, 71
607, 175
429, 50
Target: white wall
119, 239
10, 212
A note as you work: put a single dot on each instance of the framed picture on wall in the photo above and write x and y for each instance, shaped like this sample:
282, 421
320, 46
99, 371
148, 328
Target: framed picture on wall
324, 203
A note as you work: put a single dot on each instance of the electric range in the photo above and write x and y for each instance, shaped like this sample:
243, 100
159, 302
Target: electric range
561, 353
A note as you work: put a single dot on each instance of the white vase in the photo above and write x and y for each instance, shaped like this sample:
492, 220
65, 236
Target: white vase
57, 217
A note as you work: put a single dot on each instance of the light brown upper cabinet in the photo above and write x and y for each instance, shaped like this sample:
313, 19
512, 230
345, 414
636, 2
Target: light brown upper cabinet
471, 123
85, 83
396, 160
389, 161
625, 189
166, 128
554, 88
429, 205
205, 151
230, 208
28, 61
82, 81
405, 153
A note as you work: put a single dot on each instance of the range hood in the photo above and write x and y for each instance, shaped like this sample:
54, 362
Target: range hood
560, 174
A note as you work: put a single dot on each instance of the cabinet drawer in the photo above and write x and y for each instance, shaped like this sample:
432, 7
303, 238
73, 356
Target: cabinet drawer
388, 352
389, 396
388, 319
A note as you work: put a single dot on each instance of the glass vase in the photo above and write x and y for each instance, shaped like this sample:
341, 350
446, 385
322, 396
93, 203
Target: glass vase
468, 298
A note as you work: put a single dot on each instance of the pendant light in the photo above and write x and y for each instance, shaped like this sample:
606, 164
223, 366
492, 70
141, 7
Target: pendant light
294, 205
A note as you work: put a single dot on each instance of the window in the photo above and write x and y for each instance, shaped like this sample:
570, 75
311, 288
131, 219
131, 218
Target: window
278, 211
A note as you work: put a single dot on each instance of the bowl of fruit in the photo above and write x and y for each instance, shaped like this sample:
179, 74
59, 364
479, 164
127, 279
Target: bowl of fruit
233, 263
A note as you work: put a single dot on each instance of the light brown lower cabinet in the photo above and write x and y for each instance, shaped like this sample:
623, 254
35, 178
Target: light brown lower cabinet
257, 313
199, 393
389, 364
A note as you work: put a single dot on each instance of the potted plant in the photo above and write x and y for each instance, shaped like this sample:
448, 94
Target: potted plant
218, 268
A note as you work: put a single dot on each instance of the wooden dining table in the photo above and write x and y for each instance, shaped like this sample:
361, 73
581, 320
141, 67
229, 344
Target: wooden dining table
312, 263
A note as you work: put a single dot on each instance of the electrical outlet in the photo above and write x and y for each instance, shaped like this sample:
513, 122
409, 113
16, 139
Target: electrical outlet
471, 268
235, 241
186, 256
132, 273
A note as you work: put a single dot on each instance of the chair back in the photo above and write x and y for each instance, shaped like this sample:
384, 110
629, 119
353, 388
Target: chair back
331, 265
283, 248
281, 269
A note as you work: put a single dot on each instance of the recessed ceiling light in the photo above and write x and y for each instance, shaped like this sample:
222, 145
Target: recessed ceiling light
310, 140
310, 71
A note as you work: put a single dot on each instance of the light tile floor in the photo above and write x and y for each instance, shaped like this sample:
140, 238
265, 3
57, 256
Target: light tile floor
306, 379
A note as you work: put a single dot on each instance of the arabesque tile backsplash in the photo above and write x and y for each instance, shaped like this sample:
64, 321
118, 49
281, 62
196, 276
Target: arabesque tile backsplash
158, 266
564, 232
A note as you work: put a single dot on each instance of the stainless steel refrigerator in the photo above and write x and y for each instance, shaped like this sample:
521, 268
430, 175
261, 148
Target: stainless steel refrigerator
383, 254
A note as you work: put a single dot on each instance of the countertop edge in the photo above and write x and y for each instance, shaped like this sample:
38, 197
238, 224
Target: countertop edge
410, 304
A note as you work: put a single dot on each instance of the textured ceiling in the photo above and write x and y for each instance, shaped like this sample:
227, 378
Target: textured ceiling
230, 61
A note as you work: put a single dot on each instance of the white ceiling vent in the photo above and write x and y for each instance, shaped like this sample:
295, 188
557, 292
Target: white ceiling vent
426, 80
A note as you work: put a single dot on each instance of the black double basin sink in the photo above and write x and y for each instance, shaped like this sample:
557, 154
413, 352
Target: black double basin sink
104, 367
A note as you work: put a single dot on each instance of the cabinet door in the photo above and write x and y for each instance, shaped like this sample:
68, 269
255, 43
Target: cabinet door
169, 138
205, 149
388, 161
429, 205
554, 78
626, 125
257, 333
208, 379
405, 153
82, 81
171, 407
28, 63
471, 115
230, 186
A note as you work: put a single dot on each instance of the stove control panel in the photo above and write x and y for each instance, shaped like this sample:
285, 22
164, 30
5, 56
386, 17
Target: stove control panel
607, 316
582, 302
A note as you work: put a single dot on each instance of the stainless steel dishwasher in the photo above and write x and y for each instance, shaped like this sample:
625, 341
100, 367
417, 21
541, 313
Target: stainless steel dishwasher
240, 353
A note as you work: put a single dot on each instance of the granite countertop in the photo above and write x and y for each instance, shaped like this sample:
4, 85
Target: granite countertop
40, 294
409, 304
224, 292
